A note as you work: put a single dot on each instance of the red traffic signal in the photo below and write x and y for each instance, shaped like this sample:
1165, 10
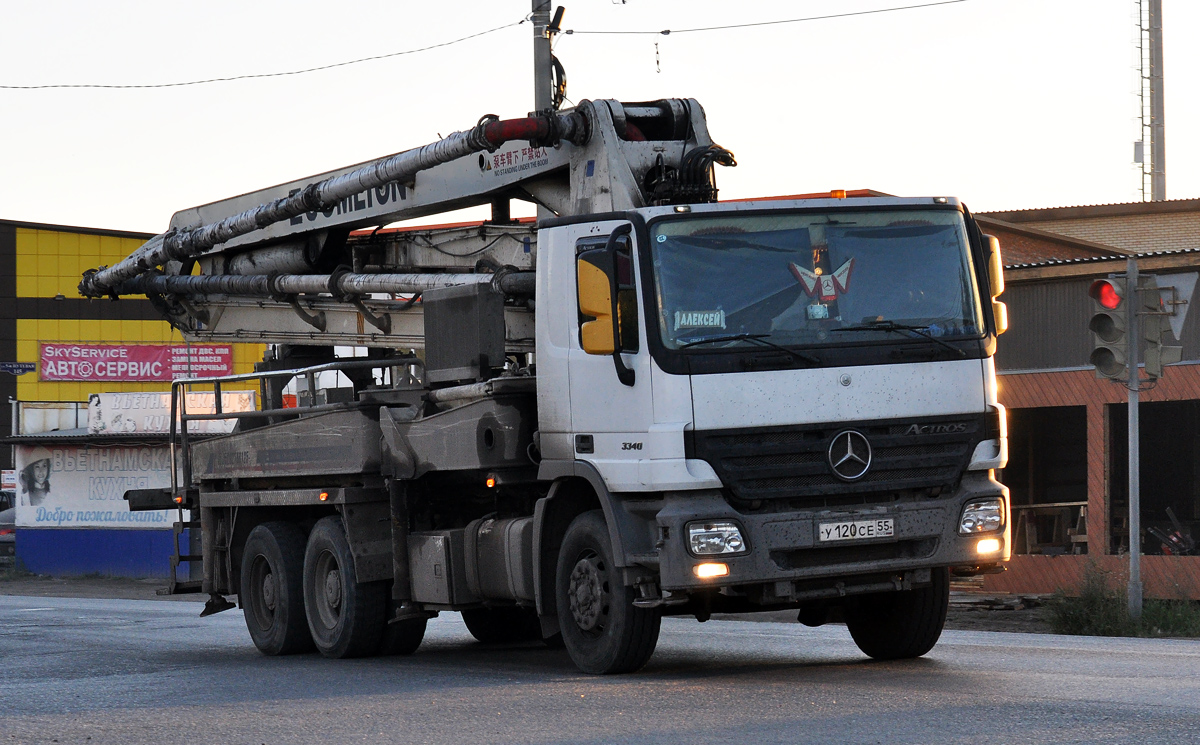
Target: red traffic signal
1107, 293
1110, 338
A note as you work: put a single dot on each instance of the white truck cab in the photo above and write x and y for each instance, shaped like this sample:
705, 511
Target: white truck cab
813, 377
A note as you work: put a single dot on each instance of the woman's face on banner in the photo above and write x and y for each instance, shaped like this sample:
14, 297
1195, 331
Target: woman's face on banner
41, 471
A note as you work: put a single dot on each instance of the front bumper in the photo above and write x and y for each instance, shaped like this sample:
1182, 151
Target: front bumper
783, 547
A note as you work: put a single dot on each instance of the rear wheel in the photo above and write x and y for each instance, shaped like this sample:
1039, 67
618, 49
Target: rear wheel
346, 617
900, 625
503, 625
601, 629
271, 592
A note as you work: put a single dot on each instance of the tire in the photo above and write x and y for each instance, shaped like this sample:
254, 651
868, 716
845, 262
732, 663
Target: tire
504, 625
345, 617
900, 625
601, 629
272, 589
401, 638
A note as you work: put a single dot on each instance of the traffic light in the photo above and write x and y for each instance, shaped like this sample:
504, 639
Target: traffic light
1109, 335
1163, 308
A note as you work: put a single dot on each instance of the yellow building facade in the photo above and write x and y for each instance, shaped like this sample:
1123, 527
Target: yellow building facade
40, 268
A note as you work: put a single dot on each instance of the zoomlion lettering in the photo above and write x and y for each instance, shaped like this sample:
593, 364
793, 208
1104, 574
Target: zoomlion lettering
936, 429
364, 200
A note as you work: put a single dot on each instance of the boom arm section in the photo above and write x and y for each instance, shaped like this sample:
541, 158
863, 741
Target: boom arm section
284, 249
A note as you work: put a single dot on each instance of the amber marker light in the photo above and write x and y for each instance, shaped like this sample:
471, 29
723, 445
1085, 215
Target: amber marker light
711, 569
491, 482
324, 495
837, 193
987, 546
179, 500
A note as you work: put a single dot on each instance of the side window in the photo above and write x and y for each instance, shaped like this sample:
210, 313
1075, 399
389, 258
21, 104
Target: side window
598, 271
627, 305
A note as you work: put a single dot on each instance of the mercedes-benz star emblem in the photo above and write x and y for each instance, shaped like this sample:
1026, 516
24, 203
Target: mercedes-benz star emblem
849, 455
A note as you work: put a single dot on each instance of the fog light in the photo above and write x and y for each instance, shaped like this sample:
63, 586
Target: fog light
982, 516
711, 569
708, 539
987, 546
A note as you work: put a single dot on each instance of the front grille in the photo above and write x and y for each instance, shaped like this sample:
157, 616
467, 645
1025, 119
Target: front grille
791, 463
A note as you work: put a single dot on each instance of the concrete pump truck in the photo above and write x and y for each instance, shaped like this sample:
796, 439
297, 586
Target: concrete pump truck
648, 403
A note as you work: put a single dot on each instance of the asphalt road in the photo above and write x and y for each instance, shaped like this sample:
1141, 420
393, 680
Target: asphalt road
121, 671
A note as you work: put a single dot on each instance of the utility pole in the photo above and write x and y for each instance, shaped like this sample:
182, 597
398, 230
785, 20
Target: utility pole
543, 68
1158, 145
1151, 101
543, 97
1133, 337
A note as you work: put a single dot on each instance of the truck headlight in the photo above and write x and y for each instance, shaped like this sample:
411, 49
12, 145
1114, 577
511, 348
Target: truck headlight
715, 538
982, 516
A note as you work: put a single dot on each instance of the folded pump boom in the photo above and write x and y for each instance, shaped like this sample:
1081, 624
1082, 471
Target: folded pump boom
279, 264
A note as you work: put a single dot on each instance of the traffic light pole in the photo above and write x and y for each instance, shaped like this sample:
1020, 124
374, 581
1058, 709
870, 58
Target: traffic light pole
1133, 337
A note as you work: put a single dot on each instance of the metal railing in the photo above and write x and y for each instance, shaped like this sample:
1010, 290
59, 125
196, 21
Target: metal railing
179, 431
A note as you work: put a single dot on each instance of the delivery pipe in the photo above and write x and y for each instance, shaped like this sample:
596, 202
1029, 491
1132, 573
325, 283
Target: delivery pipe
188, 243
339, 284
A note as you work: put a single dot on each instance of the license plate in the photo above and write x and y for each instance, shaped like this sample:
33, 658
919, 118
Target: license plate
852, 530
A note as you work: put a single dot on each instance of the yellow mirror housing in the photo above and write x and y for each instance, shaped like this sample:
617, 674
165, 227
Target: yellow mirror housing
595, 300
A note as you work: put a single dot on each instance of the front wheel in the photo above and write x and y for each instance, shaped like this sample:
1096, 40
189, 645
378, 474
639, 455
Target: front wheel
900, 625
601, 629
346, 617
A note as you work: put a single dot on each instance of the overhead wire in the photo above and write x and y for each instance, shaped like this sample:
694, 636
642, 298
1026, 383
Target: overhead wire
285, 73
668, 31
440, 45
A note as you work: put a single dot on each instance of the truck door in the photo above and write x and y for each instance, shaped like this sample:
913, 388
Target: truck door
608, 361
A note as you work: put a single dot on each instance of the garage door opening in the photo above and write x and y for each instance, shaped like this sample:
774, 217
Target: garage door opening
1047, 477
1170, 471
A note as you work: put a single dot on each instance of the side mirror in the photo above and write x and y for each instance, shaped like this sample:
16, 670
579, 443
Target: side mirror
995, 267
995, 272
595, 299
596, 273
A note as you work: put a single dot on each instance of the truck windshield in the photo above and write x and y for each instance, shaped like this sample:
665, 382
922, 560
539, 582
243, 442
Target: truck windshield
801, 279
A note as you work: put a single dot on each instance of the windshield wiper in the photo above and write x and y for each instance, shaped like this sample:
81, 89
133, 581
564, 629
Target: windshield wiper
922, 331
757, 339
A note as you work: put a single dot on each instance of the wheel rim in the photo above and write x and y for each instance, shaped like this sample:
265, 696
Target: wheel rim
263, 592
589, 594
328, 590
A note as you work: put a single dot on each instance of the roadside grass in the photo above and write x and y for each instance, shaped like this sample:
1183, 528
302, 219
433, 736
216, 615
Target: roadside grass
1102, 610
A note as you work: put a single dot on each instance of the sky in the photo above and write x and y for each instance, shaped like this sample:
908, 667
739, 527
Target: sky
1006, 104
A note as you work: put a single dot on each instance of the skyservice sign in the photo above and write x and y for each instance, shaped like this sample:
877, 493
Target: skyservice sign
132, 362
